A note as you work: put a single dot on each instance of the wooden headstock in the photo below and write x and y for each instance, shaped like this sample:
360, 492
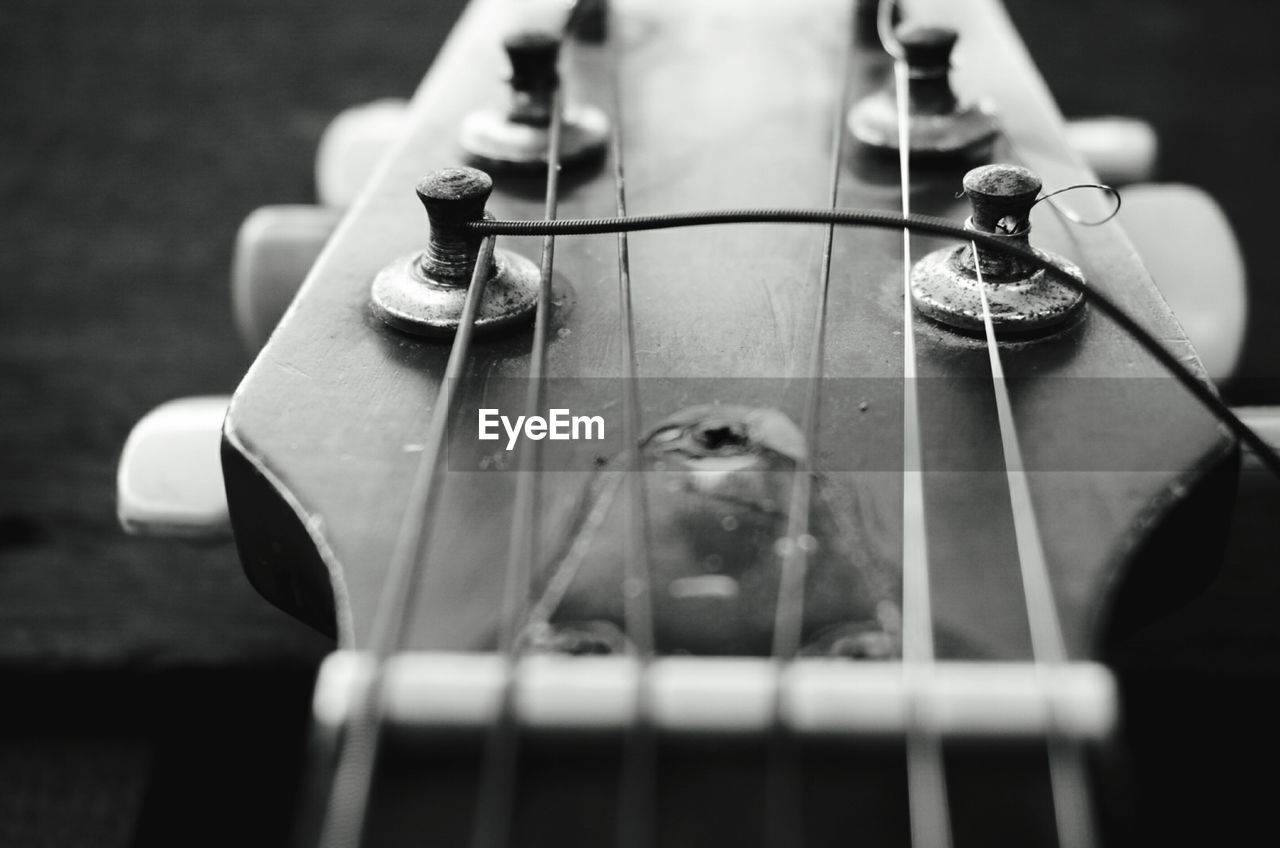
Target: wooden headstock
721, 105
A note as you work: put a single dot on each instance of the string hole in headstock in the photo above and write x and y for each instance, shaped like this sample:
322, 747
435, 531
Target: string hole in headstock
718, 436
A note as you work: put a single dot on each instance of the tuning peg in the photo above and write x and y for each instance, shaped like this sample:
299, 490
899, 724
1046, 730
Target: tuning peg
866, 21
520, 136
939, 124
423, 293
275, 248
169, 481
589, 21
1023, 298
352, 146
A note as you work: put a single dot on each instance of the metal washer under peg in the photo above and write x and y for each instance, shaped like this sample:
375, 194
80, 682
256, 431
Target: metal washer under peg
940, 124
423, 293
1023, 298
520, 135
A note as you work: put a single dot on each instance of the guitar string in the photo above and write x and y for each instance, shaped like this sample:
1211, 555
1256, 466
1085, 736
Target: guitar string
569, 565
1202, 392
796, 547
1067, 213
637, 779
1073, 830
1048, 647
784, 824
347, 806
350, 788
1073, 807
928, 806
495, 805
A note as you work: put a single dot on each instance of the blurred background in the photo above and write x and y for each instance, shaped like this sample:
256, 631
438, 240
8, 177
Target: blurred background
148, 693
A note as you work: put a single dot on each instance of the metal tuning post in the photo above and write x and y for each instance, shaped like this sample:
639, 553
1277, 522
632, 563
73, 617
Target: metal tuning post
423, 293
589, 21
520, 136
940, 124
1024, 300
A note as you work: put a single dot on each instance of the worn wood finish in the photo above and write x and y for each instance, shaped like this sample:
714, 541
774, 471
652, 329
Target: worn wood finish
722, 106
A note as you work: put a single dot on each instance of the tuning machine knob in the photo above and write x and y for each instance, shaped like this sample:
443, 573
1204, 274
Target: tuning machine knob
520, 135
423, 293
939, 123
1024, 299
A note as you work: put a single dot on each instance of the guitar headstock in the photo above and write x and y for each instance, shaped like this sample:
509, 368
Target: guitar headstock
704, 372
335, 405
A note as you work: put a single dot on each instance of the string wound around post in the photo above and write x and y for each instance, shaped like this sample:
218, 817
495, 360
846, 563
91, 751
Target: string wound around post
947, 285
888, 16
520, 136
1075, 217
940, 125
424, 293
